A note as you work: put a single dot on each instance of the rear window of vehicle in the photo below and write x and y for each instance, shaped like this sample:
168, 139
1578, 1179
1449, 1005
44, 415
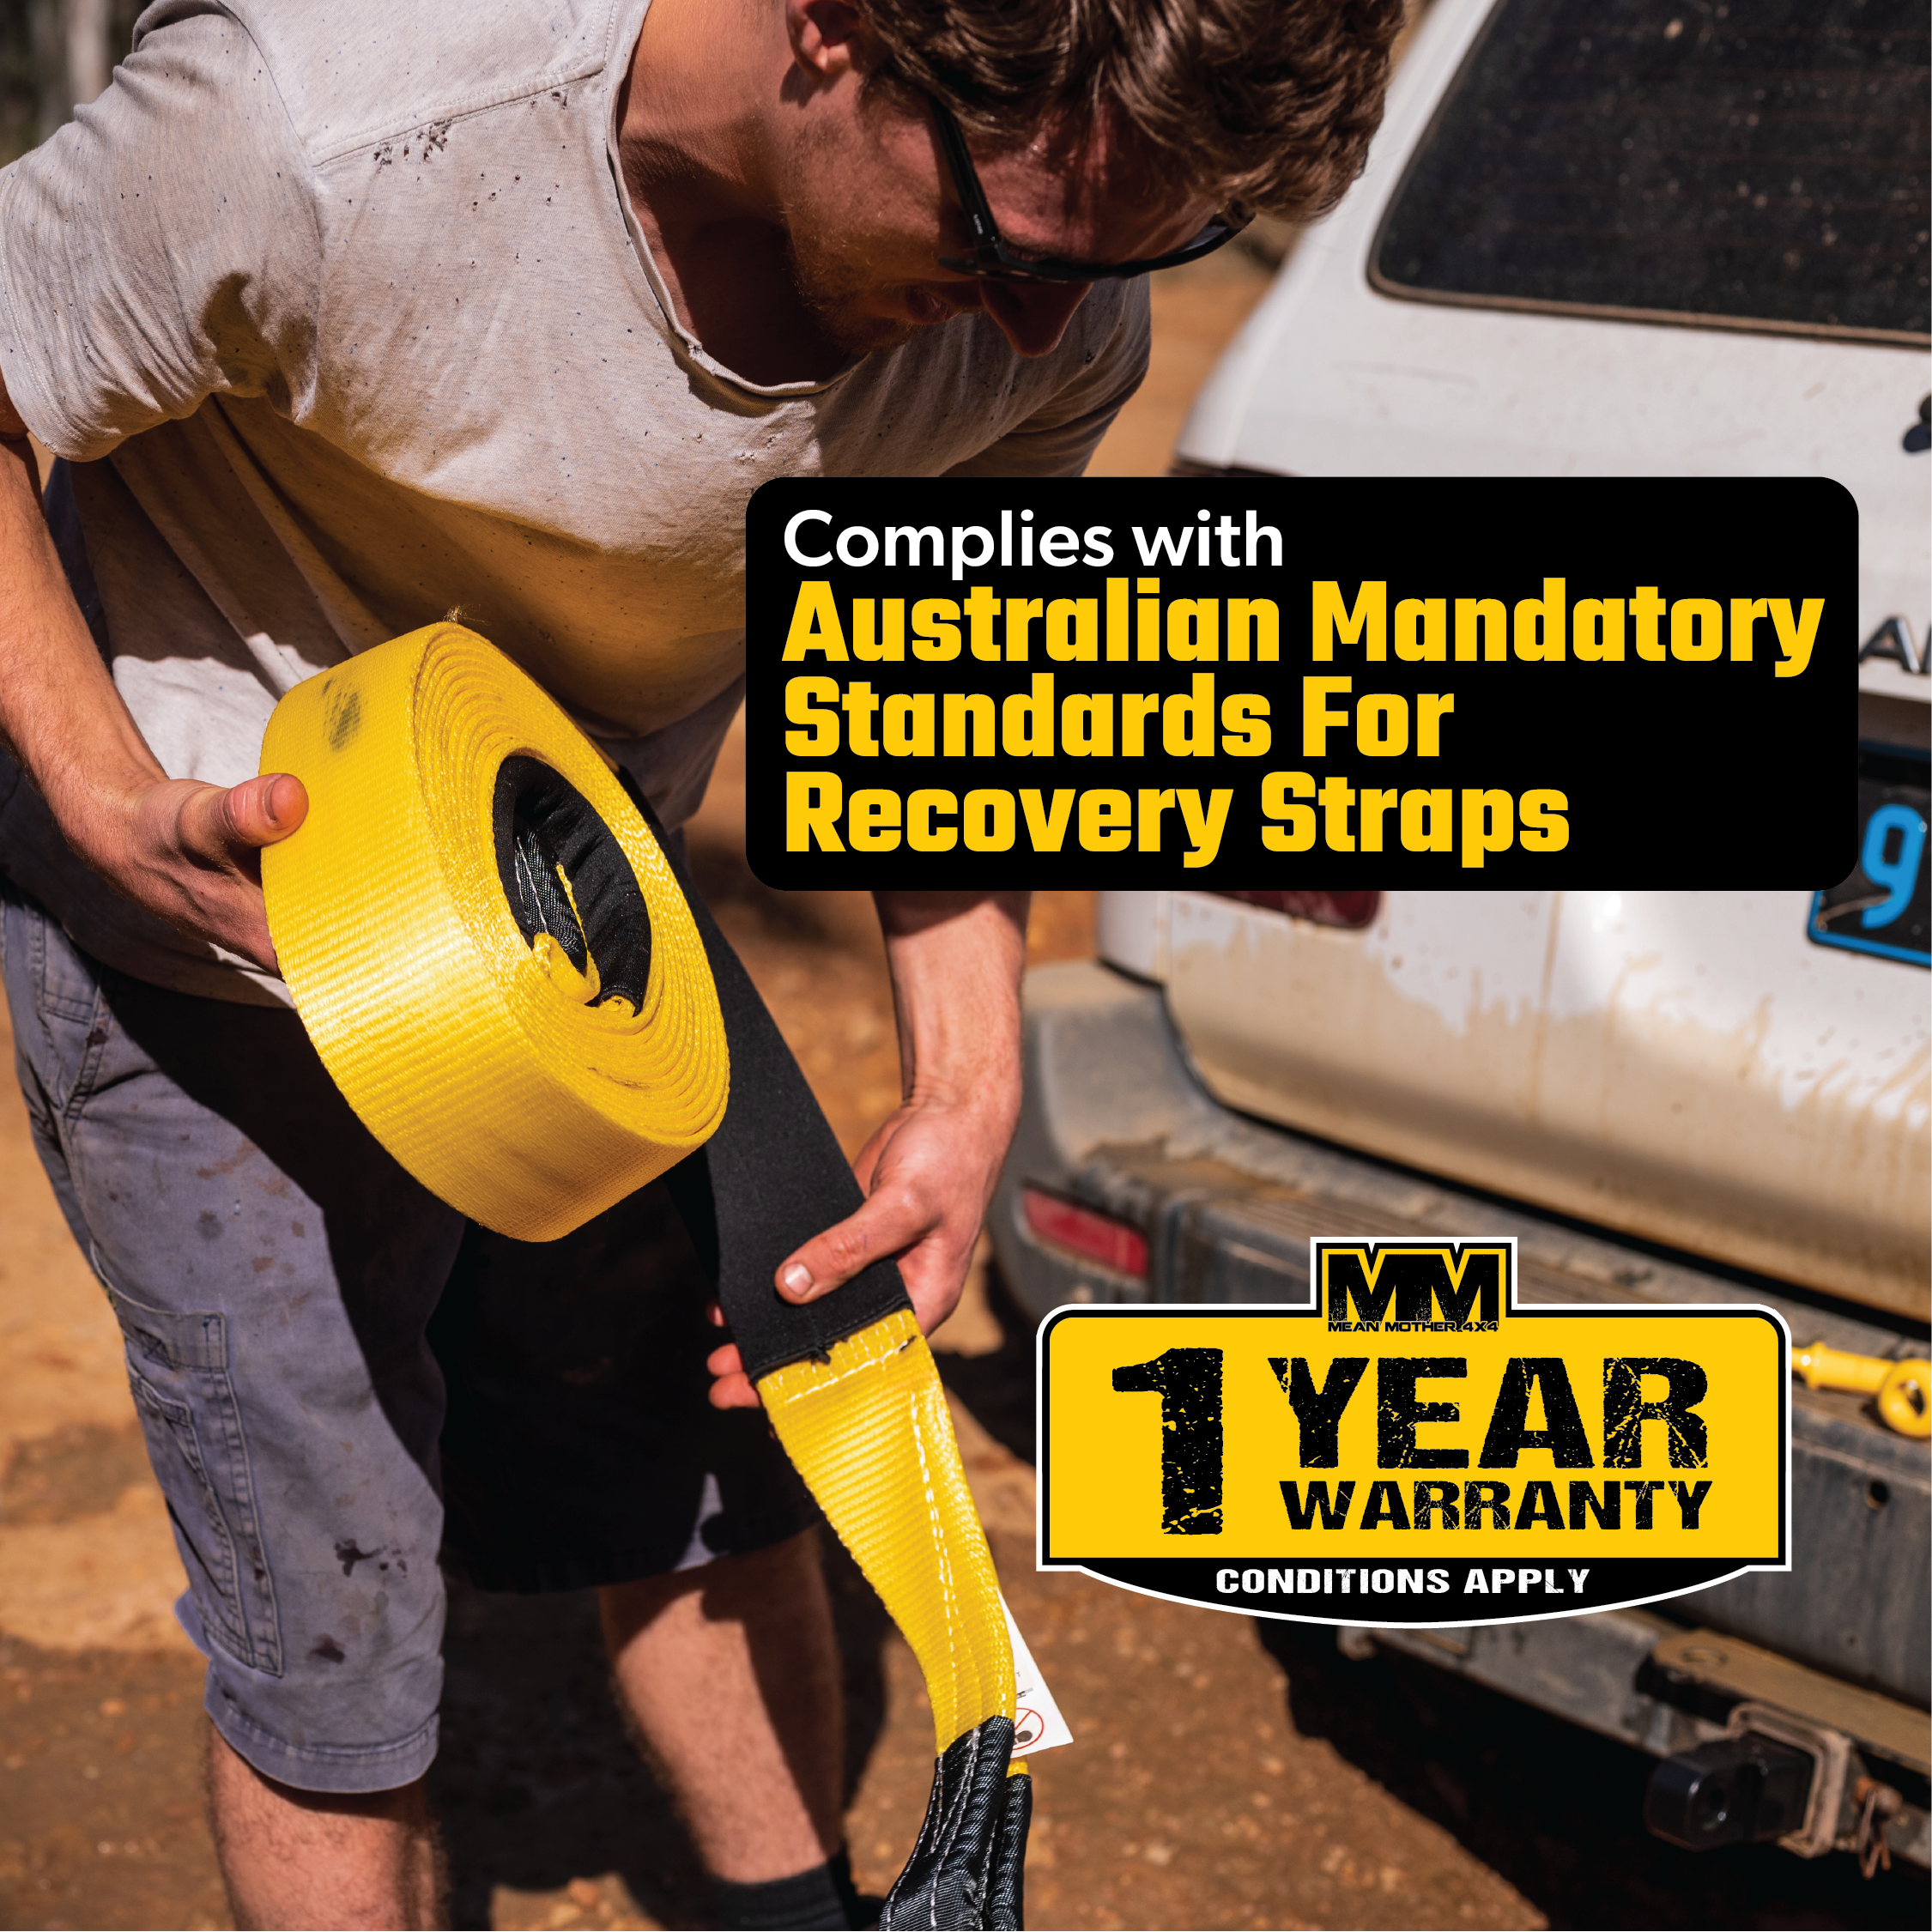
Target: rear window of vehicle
1761, 162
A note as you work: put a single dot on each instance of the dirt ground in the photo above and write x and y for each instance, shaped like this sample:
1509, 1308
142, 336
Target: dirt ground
1225, 1771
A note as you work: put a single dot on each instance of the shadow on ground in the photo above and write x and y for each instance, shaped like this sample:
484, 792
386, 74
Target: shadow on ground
537, 1782
1553, 1809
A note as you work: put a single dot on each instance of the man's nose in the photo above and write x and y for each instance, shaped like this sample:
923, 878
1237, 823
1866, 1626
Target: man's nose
1033, 315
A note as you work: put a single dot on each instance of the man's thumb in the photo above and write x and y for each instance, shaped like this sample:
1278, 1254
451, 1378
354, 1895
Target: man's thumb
259, 811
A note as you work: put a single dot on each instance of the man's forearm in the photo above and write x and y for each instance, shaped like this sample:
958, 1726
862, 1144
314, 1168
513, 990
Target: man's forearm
184, 849
59, 712
956, 959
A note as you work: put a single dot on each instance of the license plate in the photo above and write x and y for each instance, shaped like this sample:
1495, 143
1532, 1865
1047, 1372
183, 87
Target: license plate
1883, 908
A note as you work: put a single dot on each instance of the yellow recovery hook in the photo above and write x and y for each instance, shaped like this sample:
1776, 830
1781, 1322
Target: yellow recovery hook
1902, 1388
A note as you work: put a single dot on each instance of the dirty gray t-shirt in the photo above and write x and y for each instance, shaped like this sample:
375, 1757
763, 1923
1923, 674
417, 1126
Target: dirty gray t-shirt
342, 322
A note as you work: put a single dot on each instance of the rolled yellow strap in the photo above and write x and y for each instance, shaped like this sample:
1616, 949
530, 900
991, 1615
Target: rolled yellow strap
482, 1060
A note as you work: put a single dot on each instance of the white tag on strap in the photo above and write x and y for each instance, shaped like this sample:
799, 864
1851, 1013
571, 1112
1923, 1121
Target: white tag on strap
1038, 1725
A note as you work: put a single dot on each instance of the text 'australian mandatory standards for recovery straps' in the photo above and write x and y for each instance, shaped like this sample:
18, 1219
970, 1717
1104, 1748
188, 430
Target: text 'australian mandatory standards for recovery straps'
1488, 682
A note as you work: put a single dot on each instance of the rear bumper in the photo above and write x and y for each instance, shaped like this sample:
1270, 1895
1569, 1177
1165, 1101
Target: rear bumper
1646, 1681
1114, 1118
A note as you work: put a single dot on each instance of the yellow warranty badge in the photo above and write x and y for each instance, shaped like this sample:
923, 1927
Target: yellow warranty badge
1414, 1448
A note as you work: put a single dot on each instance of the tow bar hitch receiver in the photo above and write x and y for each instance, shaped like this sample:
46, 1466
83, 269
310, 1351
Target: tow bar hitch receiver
1747, 1790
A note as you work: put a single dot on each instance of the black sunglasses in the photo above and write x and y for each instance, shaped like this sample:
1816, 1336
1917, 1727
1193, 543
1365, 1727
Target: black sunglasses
991, 260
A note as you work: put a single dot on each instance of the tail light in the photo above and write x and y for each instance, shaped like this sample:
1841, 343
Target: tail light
1094, 1236
1352, 910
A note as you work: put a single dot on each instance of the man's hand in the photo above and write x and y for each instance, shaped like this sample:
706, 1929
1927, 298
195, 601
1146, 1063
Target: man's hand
931, 1169
189, 854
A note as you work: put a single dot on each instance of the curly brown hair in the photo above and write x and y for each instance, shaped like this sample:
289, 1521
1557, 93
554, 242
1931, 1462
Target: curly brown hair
1267, 103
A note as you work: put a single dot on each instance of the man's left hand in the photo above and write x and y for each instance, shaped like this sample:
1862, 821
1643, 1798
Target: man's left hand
931, 1169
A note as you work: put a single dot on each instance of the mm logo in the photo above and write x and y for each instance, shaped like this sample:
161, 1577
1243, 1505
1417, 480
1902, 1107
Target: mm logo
1398, 1287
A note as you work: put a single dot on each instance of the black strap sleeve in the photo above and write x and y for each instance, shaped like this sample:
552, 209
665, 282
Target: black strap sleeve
771, 1177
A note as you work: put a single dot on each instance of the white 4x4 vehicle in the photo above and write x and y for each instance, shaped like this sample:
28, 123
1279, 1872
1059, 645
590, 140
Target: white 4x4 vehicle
1664, 237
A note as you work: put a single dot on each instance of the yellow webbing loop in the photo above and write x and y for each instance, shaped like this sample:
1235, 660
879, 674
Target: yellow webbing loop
473, 1056
869, 1432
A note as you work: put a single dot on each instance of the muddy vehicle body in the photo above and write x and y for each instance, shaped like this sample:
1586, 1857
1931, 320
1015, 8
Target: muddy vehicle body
1589, 241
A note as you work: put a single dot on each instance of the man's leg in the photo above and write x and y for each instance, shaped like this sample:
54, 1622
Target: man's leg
581, 1449
272, 1270
731, 1671
306, 1858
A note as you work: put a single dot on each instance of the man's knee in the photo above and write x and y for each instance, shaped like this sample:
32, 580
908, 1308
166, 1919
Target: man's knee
237, 1791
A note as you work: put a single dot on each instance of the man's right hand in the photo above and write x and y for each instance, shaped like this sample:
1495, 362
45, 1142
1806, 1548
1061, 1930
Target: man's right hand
189, 853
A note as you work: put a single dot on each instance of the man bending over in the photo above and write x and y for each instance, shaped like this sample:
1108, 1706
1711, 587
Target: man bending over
341, 318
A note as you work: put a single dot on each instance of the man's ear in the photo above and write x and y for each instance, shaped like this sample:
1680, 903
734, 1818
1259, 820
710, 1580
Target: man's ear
829, 38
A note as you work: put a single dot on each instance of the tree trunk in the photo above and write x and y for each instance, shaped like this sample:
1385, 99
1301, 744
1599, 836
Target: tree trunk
89, 62
73, 58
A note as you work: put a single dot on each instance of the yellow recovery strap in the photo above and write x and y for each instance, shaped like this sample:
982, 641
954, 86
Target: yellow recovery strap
494, 957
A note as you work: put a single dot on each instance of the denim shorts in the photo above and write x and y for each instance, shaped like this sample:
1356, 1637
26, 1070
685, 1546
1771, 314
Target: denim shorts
344, 1384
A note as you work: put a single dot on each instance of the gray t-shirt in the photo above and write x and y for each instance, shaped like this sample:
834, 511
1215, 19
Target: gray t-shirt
343, 322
